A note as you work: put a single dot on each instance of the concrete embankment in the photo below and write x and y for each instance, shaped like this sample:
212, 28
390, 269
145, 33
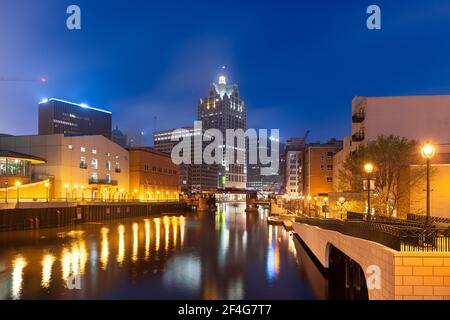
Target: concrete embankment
60, 215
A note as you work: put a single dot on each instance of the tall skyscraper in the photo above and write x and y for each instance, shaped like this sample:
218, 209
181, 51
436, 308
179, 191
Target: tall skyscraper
59, 116
223, 109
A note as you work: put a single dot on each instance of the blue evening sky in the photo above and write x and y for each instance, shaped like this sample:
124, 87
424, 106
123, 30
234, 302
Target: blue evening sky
298, 63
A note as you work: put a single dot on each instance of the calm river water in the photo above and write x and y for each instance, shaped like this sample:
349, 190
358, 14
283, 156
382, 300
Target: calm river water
227, 255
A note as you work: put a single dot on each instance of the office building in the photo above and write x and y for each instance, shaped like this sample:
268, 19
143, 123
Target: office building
193, 177
318, 169
153, 175
58, 116
293, 167
223, 109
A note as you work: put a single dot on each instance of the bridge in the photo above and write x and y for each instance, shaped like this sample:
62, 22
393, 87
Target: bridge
204, 203
385, 260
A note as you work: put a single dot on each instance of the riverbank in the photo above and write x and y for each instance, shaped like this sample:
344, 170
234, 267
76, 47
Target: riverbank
52, 215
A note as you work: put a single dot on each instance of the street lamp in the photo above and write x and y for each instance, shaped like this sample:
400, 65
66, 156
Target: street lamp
341, 202
325, 200
66, 187
309, 206
47, 185
6, 191
368, 168
315, 205
18, 185
428, 152
76, 191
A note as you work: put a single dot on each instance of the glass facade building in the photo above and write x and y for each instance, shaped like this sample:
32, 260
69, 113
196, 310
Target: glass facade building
59, 116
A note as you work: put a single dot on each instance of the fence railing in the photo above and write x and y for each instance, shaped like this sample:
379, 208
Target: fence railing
422, 219
395, 236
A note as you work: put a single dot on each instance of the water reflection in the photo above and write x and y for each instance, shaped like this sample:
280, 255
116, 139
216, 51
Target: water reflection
121, 250
104, 253
134, 256
227, 255
47, 265
18, 265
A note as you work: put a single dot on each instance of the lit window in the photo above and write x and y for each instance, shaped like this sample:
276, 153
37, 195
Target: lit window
94, 151
70, 147
94, 164
83, 149
83, 164
108, 165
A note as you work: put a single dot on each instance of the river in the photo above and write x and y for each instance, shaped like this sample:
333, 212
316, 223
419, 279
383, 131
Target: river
226, 255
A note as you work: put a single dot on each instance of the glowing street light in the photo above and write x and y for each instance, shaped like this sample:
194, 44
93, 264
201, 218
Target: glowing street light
47, 186
18, 184
66, 187
368, 168
341, 202
428, 152
76, 191
6, 191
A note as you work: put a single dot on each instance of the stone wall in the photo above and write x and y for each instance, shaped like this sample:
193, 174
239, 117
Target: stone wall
404, 275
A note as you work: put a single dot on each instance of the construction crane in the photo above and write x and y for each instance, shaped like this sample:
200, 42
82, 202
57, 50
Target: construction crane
40, 79
306, 135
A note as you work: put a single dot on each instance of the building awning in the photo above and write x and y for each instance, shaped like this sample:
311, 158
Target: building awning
21, 156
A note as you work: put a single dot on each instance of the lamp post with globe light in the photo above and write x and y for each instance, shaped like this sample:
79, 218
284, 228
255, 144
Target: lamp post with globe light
368, 168
428, 152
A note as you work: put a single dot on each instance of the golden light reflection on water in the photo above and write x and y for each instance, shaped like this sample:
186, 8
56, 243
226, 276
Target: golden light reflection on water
147, 239
47, 265
19, 263
73, 255
166, 234
104, 253
73, 261
121, 248
175, 230
134, 255
158, 233
182, 227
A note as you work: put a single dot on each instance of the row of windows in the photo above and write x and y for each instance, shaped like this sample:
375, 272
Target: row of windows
329, 167
93, 151
160, 170
94, 164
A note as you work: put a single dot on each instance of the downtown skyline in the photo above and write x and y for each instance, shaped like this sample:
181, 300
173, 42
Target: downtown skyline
324, 57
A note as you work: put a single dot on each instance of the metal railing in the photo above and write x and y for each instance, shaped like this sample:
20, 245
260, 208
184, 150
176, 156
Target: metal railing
395, 236
422, 219
103, 181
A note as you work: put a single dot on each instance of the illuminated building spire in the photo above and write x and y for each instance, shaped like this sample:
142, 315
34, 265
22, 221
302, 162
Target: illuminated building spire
222, 80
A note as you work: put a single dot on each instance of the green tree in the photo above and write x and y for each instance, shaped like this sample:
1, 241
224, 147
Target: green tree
392, 157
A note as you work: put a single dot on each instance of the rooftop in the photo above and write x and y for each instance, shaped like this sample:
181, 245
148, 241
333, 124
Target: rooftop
21, 156
81, 105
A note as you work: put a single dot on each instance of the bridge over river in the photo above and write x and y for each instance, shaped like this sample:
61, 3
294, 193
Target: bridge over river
389, 259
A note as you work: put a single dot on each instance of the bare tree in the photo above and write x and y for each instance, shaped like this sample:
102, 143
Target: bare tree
394, 176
